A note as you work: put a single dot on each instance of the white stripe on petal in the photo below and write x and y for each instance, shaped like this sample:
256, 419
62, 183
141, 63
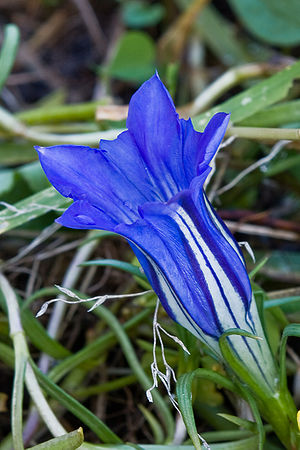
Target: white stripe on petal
222, 230
225, 313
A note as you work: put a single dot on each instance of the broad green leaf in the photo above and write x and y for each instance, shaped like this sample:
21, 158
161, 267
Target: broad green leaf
31, 208
276, 22
15, 184
254, 99
69, 441
8, 51
20, 153
139, 14
134, 58
34, 176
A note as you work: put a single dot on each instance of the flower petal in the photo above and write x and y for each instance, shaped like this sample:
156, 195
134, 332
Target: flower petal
82, 215
155, 127
200, 148
84, 173
196, 262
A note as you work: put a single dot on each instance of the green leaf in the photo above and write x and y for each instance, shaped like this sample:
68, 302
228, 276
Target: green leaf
243, 423
275, 116
184, 398
69, 441
40, 338
292, 329
8, 51
154, 424
12, 154
37, 334
134, 58
276, 22
288, 304
222, 41
139, 14
243, 444
17, 397
234, 361
31, 208
283, 165
121, 265
81, 412
258, 266
254, 99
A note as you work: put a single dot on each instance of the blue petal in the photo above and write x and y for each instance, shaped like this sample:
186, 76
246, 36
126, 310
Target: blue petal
82, 215
200, 148
83, 173
192, 266
155, 127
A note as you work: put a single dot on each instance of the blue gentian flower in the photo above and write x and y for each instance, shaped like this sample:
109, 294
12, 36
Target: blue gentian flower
147, 185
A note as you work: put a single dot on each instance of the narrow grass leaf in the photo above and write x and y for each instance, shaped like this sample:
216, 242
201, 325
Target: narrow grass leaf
8, 51
184, 397
81, 412
121, 265
254, 99
292, 329
17, 400
30, 208
243, 444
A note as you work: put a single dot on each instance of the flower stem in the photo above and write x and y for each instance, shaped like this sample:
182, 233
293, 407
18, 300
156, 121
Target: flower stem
14, 127
257, 133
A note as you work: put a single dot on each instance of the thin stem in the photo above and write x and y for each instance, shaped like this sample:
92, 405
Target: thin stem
41, 404
60, 113
272, 134
14, 127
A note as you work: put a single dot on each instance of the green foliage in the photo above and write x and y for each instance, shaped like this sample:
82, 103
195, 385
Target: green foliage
274, 21
140, 14
8, 51
31, 208
133, 58
255, 98
70, 441
121, 265
206, 393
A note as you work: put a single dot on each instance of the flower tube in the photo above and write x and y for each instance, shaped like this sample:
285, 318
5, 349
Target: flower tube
147, 185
